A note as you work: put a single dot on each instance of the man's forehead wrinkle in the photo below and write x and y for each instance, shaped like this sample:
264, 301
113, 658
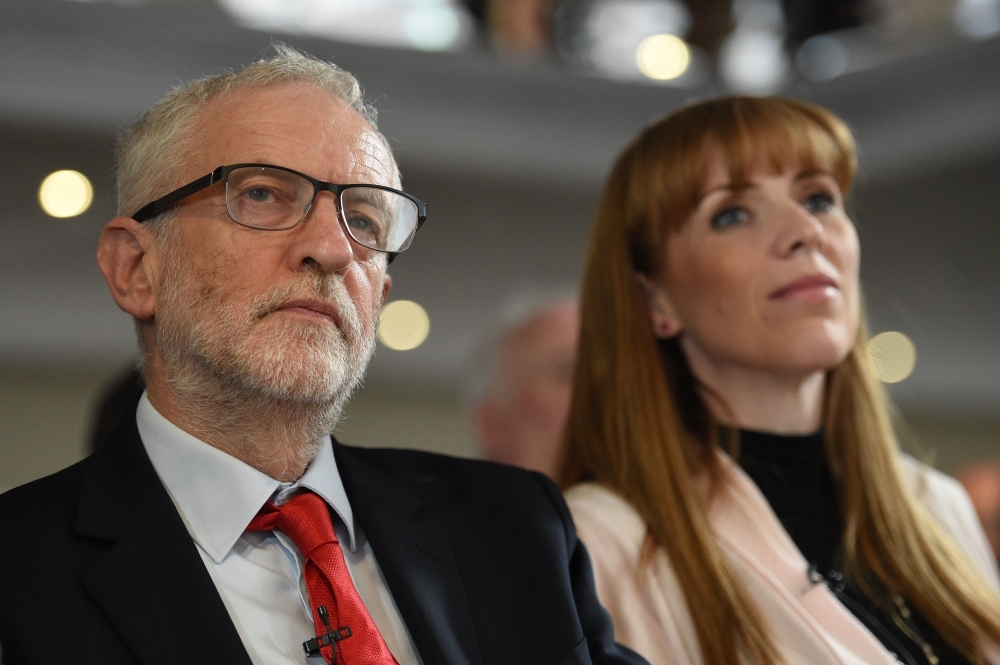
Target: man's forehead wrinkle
298, 126
282, 141
376, 161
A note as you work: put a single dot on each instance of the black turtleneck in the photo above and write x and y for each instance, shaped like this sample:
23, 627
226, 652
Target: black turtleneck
793, 474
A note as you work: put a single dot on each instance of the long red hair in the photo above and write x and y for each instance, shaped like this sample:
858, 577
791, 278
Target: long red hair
638, 425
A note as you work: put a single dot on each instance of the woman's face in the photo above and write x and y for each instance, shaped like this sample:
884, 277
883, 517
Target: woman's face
762, 278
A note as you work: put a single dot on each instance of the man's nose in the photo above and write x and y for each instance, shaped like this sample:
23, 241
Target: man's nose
320, 239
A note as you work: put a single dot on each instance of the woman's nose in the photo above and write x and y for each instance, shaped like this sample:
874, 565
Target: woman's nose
799, 229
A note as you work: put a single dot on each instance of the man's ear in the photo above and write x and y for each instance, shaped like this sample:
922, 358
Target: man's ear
666, 323
386, 286
128, 256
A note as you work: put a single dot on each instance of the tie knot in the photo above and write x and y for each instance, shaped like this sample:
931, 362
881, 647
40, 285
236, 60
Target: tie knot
305, 519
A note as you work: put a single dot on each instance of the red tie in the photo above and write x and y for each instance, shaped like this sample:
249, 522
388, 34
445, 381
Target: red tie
306, 520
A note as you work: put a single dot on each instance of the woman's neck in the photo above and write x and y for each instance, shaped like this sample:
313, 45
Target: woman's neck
747, 398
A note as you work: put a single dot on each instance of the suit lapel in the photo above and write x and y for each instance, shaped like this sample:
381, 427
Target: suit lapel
420, 570
151, 583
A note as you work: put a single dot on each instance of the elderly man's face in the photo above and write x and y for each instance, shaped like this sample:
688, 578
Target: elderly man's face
288, 315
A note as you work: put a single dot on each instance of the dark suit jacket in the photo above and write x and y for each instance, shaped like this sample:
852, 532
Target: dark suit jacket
96, 566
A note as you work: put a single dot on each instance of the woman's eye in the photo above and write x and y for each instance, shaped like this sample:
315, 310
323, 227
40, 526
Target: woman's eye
730, 217
820, 202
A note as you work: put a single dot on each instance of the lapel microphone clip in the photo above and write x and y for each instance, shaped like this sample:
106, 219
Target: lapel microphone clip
329, 638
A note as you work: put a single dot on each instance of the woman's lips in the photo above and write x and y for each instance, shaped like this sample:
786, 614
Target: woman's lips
808, 289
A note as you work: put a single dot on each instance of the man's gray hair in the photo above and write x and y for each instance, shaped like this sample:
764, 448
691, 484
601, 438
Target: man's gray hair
150, 152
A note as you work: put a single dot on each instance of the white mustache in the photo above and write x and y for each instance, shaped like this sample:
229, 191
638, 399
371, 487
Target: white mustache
329, 288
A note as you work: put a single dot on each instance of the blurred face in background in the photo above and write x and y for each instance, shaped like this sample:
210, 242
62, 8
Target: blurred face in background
982, 482
521, 421
763, 275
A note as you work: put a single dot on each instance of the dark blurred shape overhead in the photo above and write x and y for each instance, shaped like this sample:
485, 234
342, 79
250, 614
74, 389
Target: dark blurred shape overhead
808, 18
748, 46
711, 22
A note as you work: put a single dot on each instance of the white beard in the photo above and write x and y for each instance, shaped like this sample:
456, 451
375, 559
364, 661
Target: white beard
242, 369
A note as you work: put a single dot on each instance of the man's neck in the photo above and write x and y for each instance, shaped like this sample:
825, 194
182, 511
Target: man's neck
278, 438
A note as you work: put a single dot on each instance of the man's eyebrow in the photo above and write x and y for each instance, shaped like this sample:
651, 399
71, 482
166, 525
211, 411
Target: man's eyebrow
370, 195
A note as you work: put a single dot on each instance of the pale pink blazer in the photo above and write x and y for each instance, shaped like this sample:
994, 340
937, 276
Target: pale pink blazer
808, 624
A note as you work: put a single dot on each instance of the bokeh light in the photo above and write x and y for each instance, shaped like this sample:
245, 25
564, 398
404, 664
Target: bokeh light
822, 58
894, 356
65, 194
403, 325
977, 19
429, 25
433, 28
663, 57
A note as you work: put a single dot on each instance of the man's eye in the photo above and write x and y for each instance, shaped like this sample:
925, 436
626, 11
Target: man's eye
258, 194
730, 217
820, 202
362, 226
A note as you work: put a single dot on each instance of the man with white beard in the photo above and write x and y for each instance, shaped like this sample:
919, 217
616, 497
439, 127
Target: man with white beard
221, 523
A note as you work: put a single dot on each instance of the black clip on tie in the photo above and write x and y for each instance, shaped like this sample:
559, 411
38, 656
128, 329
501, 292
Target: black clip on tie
329, 638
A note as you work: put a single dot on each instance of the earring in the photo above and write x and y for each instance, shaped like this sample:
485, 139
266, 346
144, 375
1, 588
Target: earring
664, 328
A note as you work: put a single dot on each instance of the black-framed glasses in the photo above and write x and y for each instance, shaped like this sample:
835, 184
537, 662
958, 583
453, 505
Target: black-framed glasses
275, 198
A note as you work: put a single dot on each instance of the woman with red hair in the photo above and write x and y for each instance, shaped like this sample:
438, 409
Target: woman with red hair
730, 460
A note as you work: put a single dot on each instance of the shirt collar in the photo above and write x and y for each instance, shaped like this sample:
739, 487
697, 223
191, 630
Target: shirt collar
216, 494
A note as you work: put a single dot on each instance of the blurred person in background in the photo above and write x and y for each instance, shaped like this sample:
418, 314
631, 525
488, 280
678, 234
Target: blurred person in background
526, 379
520, 28
982, 482
219, 522
730, 460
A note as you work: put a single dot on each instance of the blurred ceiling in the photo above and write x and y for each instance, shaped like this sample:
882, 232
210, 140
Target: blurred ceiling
510, 157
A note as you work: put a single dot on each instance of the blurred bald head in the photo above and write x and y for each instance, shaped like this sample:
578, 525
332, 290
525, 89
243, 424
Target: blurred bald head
982, 482
519, 417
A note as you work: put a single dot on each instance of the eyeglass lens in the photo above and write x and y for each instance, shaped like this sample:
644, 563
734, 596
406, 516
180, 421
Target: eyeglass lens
274, 199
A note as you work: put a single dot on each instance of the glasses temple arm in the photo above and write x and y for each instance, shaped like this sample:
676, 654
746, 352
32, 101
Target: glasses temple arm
159, 205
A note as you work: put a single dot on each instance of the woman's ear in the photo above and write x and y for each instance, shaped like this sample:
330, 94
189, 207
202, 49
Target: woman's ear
128, 256
666, 323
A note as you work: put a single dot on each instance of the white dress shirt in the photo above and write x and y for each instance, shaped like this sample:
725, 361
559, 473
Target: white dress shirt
259, 575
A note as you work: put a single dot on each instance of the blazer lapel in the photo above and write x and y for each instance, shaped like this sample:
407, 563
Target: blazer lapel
420, 570
151, 582
744, 522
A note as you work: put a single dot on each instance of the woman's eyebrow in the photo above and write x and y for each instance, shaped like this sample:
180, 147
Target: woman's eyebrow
812, 173
726, 186
729, 186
